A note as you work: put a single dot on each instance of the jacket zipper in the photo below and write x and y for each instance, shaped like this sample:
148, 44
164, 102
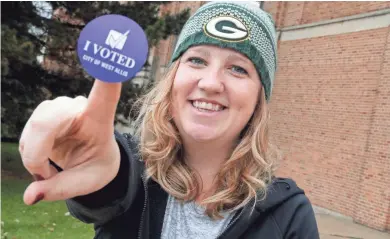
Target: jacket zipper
145, 188
230, 224
144, 208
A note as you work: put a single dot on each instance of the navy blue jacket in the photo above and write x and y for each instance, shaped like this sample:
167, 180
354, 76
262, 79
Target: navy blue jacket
131, 207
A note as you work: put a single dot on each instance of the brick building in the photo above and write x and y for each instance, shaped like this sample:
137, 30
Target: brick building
330, 108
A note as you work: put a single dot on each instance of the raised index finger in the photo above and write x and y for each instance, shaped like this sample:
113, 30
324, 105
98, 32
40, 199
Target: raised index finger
103, 100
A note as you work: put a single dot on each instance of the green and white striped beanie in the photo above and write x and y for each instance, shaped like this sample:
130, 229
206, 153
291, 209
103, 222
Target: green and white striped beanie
241, 26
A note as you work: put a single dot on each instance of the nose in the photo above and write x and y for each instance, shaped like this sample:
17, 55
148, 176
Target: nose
212, 81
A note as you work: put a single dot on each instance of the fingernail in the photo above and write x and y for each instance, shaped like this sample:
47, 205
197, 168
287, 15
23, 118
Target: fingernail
38, 198
37, 177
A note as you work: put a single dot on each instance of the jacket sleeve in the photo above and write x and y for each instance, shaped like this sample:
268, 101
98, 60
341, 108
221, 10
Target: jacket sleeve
116, 197
302, 224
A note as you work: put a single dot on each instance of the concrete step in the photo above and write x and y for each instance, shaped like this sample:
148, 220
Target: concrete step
332, 227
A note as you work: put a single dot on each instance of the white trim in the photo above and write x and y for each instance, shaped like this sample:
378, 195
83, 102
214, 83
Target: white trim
361, 22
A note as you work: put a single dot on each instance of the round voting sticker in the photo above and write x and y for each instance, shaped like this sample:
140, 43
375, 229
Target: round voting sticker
112, 48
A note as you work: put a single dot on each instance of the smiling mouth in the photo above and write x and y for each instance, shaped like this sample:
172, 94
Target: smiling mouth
207, 107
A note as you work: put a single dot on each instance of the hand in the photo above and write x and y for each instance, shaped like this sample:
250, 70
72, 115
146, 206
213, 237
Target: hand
78, 135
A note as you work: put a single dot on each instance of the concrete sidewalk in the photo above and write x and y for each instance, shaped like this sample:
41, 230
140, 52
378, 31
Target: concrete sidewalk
333, 227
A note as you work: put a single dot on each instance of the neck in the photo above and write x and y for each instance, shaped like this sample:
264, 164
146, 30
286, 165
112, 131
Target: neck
207, 159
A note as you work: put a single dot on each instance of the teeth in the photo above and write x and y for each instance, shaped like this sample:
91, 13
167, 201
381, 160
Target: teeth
207, 106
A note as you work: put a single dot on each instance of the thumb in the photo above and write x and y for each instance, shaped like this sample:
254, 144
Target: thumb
33, 194
70, 183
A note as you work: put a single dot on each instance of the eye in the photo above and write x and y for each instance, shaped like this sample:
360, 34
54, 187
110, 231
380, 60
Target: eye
196, 61
239, 70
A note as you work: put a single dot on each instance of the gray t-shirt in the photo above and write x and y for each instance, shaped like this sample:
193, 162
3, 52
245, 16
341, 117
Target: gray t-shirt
187, 220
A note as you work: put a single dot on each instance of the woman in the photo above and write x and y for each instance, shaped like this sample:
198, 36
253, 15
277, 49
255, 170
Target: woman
200, 166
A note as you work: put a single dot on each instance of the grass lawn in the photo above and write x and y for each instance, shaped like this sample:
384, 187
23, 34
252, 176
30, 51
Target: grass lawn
43, 220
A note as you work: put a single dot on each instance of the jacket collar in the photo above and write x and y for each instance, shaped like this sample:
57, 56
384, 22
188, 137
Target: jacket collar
279, 191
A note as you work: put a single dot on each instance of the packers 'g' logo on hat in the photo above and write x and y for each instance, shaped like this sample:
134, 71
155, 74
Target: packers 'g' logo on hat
226, 28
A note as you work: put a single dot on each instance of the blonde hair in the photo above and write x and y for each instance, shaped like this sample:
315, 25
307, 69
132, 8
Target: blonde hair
243, 177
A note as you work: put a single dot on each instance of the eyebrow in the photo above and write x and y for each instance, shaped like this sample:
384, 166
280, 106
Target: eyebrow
238, 57
201, 51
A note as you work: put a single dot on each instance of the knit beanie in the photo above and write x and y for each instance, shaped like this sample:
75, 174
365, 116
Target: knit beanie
241, 26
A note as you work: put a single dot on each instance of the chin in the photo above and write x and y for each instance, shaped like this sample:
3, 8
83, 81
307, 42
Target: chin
201, 134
